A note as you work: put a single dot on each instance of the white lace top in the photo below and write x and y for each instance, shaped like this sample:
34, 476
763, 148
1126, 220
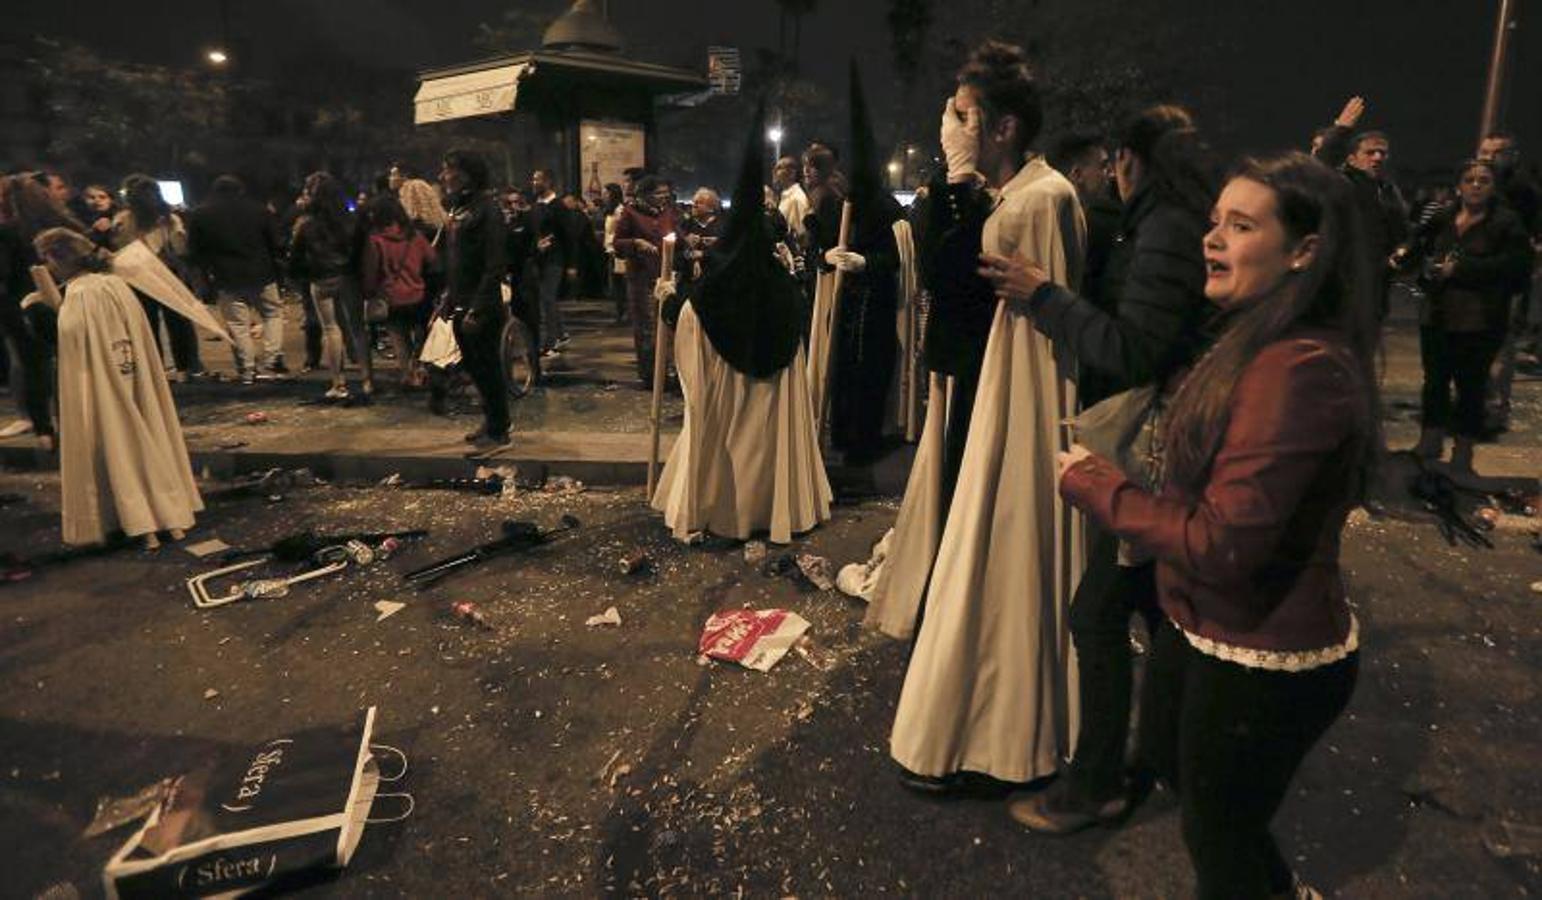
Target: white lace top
1279, 660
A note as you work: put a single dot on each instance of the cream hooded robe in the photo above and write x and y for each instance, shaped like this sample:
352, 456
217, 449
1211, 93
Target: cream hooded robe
123, 463
991, 683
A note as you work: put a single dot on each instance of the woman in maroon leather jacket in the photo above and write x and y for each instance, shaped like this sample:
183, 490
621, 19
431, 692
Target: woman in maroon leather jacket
1268, 443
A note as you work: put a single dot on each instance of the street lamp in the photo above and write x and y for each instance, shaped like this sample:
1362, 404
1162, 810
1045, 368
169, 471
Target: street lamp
774, 135
894, 170
217, 57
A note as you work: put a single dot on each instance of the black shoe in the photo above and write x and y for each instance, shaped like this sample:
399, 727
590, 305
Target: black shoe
932, 785
488, 445
1057, 811
277, 367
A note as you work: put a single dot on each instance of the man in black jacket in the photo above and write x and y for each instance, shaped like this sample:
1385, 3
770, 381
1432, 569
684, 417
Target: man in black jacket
475, 262
550, 260
234, 241
1362, 157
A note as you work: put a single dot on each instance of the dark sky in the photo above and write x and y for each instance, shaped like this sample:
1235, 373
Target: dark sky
1278, 67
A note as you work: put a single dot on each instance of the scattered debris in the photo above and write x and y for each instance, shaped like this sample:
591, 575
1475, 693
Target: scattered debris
206, 548
392, 480
470, 613
861, 579
819, 657
230, 445
604, 771
210, 693
256, 418
817, 570
1536, 587
755, 639
517, 536
563, 484
115, 812
387, 608
610, 616
636, 561
1510, 839
755, 552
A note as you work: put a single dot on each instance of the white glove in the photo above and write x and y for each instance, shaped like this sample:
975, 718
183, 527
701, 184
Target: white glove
845, 260
663, 290
960, 142
783, 255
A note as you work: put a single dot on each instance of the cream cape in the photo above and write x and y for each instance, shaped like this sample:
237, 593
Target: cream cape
991, 684
748, 456
122, 461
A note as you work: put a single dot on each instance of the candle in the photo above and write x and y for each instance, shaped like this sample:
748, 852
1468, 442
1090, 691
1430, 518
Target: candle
667, 265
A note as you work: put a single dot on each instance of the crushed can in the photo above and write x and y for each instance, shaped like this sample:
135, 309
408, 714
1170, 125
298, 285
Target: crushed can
636, 561
469, 612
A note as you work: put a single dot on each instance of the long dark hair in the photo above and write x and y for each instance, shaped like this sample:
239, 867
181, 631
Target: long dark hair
1178, 164
327, 204
1335, 292
385, 211
26, 205
145, 204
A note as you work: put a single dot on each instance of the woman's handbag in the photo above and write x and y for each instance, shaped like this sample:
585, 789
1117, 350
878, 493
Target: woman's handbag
1123, 428
1126, 428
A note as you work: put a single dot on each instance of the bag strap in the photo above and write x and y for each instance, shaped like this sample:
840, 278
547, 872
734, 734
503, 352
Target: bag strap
377, 748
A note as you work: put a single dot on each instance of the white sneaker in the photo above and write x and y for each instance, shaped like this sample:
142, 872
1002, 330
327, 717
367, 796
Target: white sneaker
16, 429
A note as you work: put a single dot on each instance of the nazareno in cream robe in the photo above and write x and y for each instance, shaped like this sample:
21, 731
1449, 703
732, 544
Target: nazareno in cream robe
123, 463
747, 459
991, 683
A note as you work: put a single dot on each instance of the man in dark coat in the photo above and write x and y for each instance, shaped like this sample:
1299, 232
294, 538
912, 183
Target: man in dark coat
475, 261
234, 241
1362, 157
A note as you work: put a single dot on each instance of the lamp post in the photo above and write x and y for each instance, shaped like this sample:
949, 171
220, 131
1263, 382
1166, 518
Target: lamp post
774, 135
1508, 12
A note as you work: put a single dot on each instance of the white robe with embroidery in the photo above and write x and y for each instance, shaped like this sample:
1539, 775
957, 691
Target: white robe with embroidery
747, 459
991, 684
122, 460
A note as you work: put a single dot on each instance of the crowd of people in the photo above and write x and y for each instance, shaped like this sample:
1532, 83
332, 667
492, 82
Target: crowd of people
1211, 339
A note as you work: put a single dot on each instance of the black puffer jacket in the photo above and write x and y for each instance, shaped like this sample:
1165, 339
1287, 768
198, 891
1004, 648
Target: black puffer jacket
1149, 321
475, 253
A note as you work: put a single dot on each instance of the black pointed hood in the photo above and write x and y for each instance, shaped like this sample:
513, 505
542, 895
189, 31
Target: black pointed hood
747, 301
873, 207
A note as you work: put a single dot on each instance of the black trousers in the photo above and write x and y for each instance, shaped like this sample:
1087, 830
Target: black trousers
1461, 359
31, 353
184, 337
1100, 625
862, 370
1229, 739
482, 359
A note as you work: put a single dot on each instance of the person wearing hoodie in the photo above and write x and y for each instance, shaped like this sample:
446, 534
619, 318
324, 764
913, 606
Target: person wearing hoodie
395, 261
234, 241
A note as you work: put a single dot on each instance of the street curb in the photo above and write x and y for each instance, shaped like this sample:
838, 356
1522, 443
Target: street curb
885, 477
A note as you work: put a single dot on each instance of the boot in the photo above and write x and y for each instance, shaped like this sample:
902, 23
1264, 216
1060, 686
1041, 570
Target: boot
1431, 443
1461, 455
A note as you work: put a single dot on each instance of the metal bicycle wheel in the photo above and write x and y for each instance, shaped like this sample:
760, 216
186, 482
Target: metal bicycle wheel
514, 352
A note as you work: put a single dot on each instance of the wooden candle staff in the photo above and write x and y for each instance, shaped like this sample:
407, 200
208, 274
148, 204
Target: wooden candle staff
832, 323
660, 346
